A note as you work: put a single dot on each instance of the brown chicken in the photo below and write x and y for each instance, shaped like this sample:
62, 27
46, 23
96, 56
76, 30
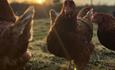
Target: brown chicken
14, 37
106, 29
71, 33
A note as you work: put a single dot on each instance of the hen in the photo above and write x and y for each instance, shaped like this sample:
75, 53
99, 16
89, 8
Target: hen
71, 33
14, 37
106, 29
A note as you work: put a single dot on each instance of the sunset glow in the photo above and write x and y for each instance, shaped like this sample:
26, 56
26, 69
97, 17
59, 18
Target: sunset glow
40, 1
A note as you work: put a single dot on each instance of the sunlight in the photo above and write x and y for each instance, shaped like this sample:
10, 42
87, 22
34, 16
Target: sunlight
40, 1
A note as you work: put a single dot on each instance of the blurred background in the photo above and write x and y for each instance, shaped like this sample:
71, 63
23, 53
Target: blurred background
43, 6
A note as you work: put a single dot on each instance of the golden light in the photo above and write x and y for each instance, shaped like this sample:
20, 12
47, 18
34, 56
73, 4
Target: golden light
40, 1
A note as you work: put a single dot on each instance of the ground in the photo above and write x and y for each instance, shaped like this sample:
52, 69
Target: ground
101, 59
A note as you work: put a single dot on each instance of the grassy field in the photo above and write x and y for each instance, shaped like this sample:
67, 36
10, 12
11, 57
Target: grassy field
101, 59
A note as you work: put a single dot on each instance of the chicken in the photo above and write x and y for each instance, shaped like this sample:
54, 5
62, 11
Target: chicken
14, 37
106, 29
71, 33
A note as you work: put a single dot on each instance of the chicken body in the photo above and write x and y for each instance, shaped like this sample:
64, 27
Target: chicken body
70, 35
106, 29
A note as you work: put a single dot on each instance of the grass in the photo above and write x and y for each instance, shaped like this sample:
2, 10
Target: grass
41, 59
102, 58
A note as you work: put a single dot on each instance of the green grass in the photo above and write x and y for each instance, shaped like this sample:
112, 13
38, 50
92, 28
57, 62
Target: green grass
41, 58
101, 59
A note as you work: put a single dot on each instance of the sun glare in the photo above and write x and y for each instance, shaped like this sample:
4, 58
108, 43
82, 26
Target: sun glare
40, 1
